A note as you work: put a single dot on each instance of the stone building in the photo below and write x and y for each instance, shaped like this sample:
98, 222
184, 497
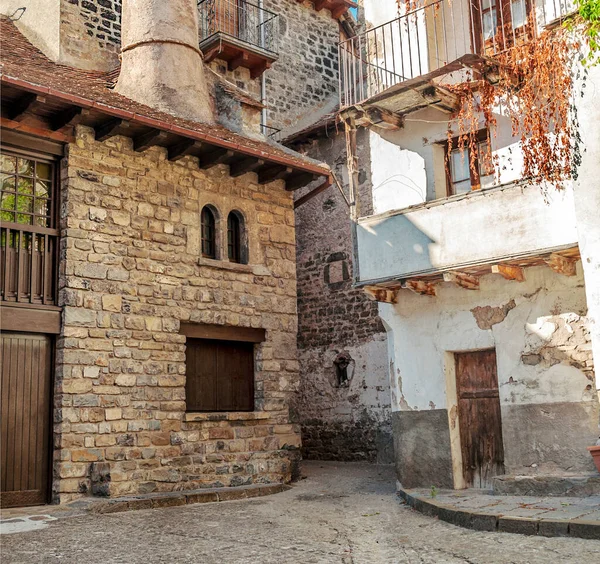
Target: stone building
148, 278
487, 282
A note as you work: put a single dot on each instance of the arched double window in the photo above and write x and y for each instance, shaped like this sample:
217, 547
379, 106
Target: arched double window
236, 250
208, 233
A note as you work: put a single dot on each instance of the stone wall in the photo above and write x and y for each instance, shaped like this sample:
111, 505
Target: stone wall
347, 420
91, 33
305, 77
129, 274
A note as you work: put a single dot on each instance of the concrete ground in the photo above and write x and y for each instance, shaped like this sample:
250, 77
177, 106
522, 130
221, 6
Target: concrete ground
341, 513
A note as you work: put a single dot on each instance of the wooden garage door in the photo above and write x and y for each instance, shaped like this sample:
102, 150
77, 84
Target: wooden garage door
26, 380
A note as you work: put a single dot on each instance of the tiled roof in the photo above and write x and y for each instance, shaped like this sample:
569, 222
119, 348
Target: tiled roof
24, 65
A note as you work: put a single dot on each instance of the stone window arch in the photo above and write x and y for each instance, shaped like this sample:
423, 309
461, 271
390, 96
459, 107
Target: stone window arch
237, 240
209, 217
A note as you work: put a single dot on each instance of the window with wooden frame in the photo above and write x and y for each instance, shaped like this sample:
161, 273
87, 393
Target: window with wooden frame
208, 233
219, 375
461, 175
28, 234
501, 24
235, 233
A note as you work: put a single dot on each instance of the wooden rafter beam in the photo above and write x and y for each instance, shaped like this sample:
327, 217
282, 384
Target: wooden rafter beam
215, 157
378, 294
509, 272
421, 287
240, 60
110, 128
184, 148
272, 173
149, 139
71, 116
249, 164
24, 104
299, 180
462, 279
562, 265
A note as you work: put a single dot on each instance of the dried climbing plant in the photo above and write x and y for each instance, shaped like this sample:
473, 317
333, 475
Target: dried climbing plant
532, 84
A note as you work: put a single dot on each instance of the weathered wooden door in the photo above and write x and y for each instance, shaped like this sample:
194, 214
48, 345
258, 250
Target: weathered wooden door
479, 417
26, 380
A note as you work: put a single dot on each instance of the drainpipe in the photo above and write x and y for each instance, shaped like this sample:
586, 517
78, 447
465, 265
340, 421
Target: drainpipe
263, 80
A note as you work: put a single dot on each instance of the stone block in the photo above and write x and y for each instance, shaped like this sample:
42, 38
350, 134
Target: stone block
584, 529
553, 528
113, 413
76, 386
520, 525
112, 303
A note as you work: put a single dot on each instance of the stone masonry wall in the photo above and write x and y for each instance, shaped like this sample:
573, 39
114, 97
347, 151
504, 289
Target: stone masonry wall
91, 33
340, 420
129, 274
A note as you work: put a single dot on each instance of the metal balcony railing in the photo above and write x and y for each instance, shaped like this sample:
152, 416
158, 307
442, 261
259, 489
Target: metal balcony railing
239, 19
271, 132
434, 34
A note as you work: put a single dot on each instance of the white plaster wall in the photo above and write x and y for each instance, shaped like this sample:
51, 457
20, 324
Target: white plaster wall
368, 390
422, 329
470, 229
40, 23
398, 175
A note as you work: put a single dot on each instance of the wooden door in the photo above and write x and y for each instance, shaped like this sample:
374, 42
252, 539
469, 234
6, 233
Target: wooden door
26, 384
479, 417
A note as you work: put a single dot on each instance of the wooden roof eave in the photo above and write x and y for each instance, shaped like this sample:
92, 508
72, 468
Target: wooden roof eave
271, 166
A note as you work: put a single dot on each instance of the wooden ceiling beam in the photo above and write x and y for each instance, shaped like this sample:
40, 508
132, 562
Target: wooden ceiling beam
184, 148
215, 157
272, 173
110, 128
462, 279
24, 104
149, 139
385, 295
245, 165
421, 287
70, 116
240, 60
299, 180
562, 265
509, 272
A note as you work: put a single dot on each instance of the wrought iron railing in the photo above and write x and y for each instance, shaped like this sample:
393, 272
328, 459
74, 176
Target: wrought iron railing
240, 19
433, 34
271, 132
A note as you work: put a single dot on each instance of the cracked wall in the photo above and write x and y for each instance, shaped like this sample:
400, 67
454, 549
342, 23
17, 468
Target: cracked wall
540, 331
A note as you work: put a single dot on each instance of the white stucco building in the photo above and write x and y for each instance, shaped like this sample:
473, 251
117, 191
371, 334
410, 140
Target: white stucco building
489, 286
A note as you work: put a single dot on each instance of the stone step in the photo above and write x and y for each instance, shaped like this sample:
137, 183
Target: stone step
575, 485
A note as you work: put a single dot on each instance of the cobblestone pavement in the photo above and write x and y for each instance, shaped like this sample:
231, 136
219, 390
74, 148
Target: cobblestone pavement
341, 513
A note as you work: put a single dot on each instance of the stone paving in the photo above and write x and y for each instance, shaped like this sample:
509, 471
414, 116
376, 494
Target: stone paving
479, 509
341, 513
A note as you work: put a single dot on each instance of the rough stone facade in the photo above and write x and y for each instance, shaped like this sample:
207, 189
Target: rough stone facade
130, 273
91, 30
349, 419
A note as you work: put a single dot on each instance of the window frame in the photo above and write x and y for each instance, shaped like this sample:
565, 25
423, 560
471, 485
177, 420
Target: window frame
237, 248
482, 136
209, 241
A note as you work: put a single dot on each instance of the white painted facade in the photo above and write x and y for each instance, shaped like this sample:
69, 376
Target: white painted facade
547, 326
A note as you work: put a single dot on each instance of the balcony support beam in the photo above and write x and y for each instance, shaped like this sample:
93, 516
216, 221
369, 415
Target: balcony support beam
385, 295
462, 279
562, 265
421, 287
509, 272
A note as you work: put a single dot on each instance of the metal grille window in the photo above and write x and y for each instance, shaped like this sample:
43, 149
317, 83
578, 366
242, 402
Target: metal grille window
28, 234
234, 238
208, 233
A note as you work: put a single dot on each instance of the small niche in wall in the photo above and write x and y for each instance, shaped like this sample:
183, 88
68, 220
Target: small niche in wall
336, 271
344, 369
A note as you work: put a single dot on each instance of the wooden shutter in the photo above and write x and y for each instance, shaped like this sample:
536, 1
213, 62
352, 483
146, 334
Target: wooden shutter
219, 375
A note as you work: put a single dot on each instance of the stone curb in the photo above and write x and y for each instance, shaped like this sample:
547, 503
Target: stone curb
486, 521
174, 499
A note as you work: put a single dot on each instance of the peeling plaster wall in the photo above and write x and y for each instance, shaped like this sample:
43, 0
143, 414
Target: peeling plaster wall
544, 360
350, 421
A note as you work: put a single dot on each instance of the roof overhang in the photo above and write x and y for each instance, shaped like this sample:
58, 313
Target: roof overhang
49, 113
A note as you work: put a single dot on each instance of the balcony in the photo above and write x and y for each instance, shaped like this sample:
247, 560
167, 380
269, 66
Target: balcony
241, 33
398, 66
467, 233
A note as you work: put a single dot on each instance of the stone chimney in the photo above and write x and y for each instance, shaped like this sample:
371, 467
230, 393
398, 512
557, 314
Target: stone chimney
162, 65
